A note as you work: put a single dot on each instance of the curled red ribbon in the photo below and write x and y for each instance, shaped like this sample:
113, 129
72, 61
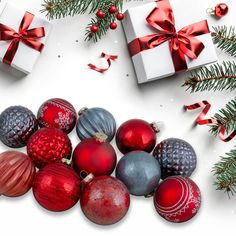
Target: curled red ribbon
201, 121
24, 35
182, 42
108, 58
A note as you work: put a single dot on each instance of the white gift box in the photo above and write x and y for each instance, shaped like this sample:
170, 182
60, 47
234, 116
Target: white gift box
157, 63
25, 57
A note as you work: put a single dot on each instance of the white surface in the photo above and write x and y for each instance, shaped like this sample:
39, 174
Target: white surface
152, 64
68, 77
25, 57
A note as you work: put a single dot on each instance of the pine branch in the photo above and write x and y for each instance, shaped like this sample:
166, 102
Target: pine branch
227, 118
216, 77
225, 39
225, 172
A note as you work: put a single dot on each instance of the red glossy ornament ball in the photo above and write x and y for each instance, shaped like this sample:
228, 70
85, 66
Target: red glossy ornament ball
120, 16
94, 155
57, 187
177, 199
113, 25
94, 29
221, 10
134, 135
112, 9
16, 173
100, 14
48, 145
57, 113
105, 200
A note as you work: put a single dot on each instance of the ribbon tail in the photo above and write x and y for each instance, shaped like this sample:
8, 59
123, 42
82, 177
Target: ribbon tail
11, 51
33, 43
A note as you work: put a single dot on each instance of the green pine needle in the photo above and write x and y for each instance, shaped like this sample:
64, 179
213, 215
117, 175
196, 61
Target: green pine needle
225, 39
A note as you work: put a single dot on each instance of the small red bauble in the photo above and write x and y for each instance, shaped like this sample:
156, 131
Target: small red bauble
105, 200
100, 14
16, 173
113, 25
57, 113
94, 155
177, 199
48, 145
94, 28
57, 187
134, 135
221, 9
112, 9
120, 16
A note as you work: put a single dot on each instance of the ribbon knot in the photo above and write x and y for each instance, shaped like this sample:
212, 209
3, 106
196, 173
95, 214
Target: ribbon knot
25, 35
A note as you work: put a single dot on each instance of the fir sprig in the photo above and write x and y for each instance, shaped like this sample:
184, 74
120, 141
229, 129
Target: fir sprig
215, 77
225, 39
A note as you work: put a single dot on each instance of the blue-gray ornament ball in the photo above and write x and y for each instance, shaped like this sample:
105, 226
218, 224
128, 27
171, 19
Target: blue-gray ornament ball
139, 171
95, 120
176, 157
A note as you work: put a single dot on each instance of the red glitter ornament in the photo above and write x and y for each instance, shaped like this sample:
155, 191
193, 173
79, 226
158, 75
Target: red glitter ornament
56, 187
57, 113
48, 145
221, 9
177, 199
16, 173
134, 135
105, 200
100, 14
112, 9
120, 16
94, 28
94, 155
113, 25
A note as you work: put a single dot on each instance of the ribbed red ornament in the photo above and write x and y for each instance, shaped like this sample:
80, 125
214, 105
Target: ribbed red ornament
57, 113
16, 173
48, 145
177, 199
57, 187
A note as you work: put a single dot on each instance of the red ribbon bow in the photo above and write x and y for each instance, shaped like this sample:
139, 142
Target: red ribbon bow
182, 42
24, 34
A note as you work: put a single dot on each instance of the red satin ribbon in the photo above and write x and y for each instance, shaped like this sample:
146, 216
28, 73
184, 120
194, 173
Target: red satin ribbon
24, 35
182, 43
108, 58
201, 121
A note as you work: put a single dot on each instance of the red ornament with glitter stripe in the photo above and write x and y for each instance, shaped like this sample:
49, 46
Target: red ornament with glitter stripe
177, 199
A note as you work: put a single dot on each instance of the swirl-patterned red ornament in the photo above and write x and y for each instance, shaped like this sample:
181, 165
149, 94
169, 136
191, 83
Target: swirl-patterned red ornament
57, 187
57, 113
16, 173
177, 199
48, 145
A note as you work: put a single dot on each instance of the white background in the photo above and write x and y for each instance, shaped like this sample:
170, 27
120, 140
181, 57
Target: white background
68, 77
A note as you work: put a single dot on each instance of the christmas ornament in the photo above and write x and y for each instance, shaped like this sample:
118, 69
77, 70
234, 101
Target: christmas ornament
105, 200
57, 113
139, 171
112, 9
16, 173
94, 155
177, 199
136, 135
17, 124
48, 145
219, 10
95, 120
113, 25
94, 28
100, 14
120, 16
56, 187
176, 157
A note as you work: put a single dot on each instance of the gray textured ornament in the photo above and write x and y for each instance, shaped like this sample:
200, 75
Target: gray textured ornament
95, 120
176, 157
17, 124
139, 171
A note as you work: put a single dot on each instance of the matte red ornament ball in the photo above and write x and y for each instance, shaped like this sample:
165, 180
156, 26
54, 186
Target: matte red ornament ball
95, 156
57, 187
221, 9
120, 16
105, 200
100, 14
113, 25
48, 145
57, 113
135, 135
177, 199
112, 9
16, 173
94, 28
